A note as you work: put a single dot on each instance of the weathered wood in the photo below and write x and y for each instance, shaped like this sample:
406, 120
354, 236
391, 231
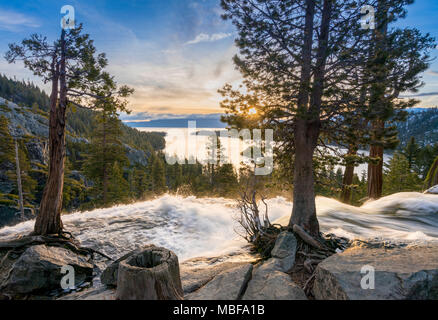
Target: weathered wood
20, 189
152, 274
48, 220
306, 237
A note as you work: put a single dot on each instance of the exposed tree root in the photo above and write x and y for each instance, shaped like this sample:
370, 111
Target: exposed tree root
308, 257
56, 240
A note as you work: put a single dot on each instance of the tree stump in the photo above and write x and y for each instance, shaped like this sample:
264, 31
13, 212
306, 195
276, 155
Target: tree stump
152, 274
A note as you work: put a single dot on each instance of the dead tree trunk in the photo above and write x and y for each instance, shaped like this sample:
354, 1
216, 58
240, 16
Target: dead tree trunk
19, 186
105, 164
152, 274
49, 218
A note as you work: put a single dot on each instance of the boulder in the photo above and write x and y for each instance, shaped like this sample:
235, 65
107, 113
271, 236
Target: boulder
38, 151
268, 283
101, 293
283, 254
137, 156
38, 270
227, 285
193, 278
409, 272
433, 190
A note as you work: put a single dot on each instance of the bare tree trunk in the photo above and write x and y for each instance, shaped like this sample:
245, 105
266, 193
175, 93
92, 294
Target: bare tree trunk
105, 165
307, 127
348, 177
304, 208
48, 220
19, 186
375, 169
347, 181
375, 173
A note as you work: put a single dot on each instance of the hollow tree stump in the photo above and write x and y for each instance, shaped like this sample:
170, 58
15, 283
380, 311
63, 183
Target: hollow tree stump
152, 274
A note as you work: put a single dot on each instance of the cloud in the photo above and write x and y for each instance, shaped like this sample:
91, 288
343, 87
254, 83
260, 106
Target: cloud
175, 82
147, 116
12, 21
203, 37
425, 94
432, 72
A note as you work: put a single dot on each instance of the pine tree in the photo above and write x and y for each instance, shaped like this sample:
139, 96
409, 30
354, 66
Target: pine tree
177, 177
140, 182
6, 142
105, 151
399, 177
432, 176
286, 50
397, 59
77, 78
411, 152
226, 182
158, 176
118, 188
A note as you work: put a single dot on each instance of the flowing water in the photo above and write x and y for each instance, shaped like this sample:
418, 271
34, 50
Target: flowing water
206, 227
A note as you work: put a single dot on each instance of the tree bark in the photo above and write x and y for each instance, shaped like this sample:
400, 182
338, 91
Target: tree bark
307, 127
150, 275
304, 207
348, 177
375, 170
48, 220
346, 183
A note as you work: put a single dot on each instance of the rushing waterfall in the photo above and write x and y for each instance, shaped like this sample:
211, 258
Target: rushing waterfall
194, 227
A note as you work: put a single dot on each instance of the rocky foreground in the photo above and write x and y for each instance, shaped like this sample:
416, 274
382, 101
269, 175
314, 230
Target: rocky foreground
365, 270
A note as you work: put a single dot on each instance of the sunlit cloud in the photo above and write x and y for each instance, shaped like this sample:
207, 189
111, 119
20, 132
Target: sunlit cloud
203, 37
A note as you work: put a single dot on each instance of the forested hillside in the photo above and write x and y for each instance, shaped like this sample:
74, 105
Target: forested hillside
422, 125
24, 119
107, 162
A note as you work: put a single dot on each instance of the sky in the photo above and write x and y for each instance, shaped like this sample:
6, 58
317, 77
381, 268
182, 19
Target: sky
176, 54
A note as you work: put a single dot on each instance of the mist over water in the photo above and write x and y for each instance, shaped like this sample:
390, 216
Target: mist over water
194, 227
